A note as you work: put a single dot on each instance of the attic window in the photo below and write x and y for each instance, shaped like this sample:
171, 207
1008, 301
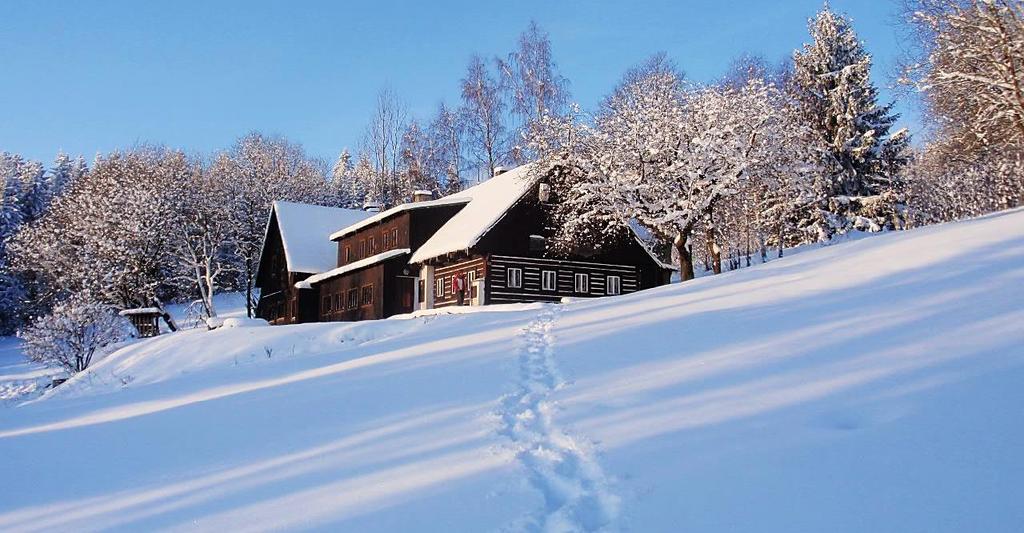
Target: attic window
544, 192
537, 243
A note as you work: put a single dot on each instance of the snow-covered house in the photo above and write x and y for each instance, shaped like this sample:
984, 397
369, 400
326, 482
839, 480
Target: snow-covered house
296, 246
498, 243
491, 236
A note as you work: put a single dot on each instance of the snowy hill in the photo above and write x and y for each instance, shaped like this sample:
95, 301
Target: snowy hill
873, 385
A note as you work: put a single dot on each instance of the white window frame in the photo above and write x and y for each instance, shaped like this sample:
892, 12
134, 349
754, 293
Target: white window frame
547, 276
514, 278
439, 287
470, 278
585, 285
613, 285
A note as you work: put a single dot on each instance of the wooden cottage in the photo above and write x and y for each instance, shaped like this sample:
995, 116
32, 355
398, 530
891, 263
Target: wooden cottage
498, 243
490, 239
296, 246
373, 278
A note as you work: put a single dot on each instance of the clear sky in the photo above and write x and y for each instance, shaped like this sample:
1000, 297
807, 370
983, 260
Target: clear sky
90, 77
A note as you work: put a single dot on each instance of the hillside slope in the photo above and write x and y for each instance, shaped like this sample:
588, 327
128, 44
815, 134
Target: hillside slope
868, 386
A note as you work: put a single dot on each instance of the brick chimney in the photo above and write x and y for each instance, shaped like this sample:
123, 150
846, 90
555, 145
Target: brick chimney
422, 196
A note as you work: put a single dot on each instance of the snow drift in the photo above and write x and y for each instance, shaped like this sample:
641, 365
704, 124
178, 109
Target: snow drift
868, 386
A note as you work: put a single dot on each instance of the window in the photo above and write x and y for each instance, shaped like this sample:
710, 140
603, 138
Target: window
337, 302
471, 278
386, 240
614, 285
394, 237
515, 278
367, 297
362, 249
327, 304
582, 284
372, 245
549, 280
439, 287
353, 298
348, 254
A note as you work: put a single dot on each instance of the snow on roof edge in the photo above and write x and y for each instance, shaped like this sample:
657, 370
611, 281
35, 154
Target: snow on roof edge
362, 263
408, 206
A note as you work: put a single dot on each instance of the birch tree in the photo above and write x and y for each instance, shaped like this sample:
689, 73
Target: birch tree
482, 114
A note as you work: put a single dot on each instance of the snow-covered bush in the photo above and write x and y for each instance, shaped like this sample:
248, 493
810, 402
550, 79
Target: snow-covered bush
74, 333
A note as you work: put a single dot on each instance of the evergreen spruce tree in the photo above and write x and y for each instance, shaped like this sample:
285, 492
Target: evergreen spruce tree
831, 81
340, 185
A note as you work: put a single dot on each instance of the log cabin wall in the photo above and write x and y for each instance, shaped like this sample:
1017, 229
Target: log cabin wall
444, 294
524, 279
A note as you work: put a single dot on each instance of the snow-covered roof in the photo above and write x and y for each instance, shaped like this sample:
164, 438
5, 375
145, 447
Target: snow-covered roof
377, 217
646, 240
305, 231
487, 204
140, 311
362, 263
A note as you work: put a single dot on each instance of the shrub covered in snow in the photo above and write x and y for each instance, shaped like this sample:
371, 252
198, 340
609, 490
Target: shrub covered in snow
74, 333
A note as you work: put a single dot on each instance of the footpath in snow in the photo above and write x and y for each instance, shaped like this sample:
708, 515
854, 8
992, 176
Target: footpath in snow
563, 468
872, 385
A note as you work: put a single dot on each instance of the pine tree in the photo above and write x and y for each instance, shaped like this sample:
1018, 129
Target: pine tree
831, 81
341, 176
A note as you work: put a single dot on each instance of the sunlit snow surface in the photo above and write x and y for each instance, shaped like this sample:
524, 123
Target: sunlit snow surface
874, 385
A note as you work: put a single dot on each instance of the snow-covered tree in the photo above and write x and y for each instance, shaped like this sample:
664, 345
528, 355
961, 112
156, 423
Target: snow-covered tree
969, 68
341, 182
831, 81
35, 194
659, 154
74, 334
109, 234
446, 134
364, 178
256, 171
204, 230
64, 172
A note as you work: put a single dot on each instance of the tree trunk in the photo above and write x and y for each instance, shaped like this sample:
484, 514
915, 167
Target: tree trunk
780, 241
714, 252
685, 256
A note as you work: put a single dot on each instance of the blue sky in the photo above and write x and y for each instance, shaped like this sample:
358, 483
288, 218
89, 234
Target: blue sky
90, 77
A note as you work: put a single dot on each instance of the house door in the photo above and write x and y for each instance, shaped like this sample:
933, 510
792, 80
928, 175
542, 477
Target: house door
405, 295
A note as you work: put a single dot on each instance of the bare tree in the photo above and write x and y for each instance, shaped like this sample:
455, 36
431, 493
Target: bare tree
383, 142
482, 114
533, 84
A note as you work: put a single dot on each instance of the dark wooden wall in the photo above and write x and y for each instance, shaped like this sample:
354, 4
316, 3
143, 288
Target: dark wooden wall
333, 295
498, 290
407, 229
477, 265
279, 301
511, 237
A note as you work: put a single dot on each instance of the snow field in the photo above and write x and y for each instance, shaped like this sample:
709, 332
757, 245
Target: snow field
872, 385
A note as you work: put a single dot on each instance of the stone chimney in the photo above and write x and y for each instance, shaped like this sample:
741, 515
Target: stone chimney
422, 196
